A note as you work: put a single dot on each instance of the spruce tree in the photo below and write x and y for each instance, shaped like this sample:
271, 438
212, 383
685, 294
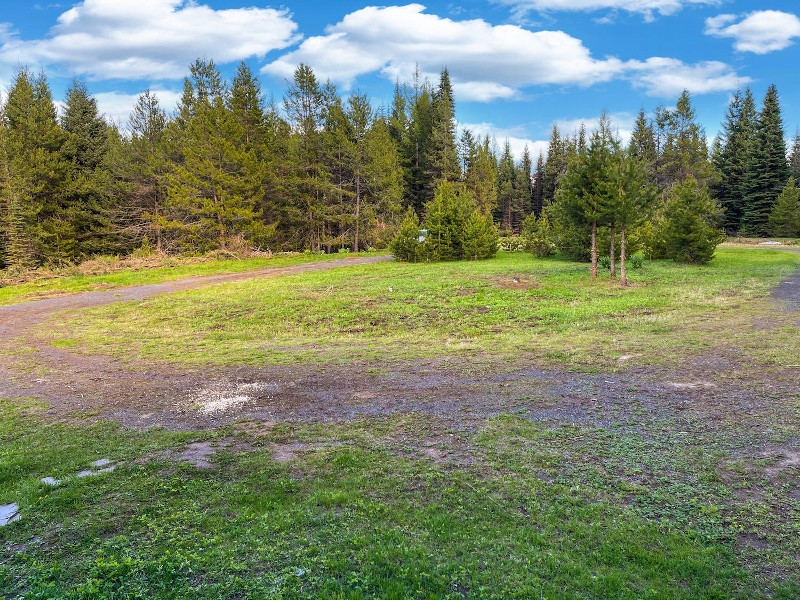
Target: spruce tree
691, 216
794, 157
767, 167
442, 161
506, 189
730, 159
682, 145
147, 168
538, 182
524, 180
643, 141
784, 220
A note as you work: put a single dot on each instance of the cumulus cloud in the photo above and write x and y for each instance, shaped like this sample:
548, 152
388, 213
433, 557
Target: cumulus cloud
486, 62
648, 8
134, 39
759, 32
668, 77
621, 123
116, 107
516, 137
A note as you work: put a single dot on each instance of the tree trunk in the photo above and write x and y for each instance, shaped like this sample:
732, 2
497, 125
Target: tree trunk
623, 277
594, 249
358, 211
613, 253
158, 226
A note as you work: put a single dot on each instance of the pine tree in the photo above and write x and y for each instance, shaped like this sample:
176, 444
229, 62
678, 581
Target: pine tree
784, 220
506, 188
524, 180
631, 194
730, 159
443, 155
555, 165
682, 146
794, 157
88, 200
480, 179
767, 167
304, 104
214, 190
147, 169
690, 228
35, 174
643, 141
538, 186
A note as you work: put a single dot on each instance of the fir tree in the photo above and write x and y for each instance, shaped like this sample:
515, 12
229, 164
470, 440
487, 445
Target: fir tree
794, 157
690, 230
784, 220
730, 158
506, 189
442, 162
537, 186
767, 167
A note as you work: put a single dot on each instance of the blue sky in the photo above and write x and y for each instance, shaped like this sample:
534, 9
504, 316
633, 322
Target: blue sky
518, 65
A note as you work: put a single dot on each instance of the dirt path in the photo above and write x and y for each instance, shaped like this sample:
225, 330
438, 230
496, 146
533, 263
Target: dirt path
695, 397
15, 318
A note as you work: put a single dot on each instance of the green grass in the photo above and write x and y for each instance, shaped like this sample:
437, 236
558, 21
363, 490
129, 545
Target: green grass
556, 312
127, 273
563, 512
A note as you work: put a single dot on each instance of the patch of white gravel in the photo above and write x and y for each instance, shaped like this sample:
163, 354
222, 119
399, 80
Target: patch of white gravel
9, 513
221, 399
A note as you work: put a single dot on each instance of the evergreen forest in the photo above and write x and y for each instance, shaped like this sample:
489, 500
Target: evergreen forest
323, 172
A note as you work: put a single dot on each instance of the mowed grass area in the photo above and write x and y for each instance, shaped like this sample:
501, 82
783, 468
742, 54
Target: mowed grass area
394, 311
121, 273
541, 512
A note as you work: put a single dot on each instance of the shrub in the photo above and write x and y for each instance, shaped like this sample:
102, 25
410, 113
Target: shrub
690, 217
604, 262
406, 245
784, 220
480, 237
636, 261
512, 243
538, 234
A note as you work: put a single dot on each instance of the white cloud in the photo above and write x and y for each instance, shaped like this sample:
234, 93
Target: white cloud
668, 77
134, 39
648, 8
486, 62
759, 32
621, 123
515, 136
116, 107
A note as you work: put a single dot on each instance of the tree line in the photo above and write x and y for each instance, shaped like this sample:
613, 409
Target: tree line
230, 169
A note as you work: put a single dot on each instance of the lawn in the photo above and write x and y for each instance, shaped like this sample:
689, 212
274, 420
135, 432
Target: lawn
512, 306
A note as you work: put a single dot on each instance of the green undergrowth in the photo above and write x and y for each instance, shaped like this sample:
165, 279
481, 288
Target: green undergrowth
122, 273
391, 311
538, 512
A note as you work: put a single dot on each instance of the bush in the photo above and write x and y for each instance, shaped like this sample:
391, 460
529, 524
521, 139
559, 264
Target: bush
454, 229
406, 246
512, 243
690, 232
636, 261
538, 234
604, 262
784, 220
480, 238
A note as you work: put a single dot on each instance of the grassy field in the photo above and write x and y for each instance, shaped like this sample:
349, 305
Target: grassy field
554, 312
111, 273
542, 512
649, 496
